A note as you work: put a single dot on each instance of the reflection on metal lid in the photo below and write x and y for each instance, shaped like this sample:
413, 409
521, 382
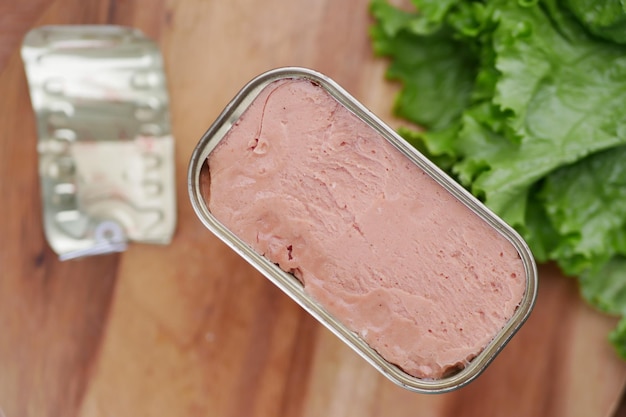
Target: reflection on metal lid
106, 153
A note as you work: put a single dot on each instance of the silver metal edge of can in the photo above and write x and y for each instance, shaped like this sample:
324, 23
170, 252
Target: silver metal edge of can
293, 288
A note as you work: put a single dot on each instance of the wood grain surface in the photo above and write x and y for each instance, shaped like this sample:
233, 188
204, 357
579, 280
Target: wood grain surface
189, 329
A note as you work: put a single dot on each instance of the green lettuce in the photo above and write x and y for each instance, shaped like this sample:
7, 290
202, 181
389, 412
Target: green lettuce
523, 102
603, 18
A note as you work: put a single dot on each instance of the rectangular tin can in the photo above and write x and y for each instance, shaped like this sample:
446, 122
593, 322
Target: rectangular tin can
292, 287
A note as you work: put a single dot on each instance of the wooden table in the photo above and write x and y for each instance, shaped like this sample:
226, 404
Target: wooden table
189, 329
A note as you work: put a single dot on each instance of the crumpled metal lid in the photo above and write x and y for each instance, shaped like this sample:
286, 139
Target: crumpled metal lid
106, 152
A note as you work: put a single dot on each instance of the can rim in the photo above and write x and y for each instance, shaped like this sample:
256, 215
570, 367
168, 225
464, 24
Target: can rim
295, 290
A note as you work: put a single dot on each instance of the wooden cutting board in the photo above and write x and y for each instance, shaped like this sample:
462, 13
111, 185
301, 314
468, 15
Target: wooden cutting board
189, 329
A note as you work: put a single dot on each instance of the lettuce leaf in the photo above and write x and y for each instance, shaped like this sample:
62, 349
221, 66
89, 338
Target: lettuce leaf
436, 79
522, 102
586, 204
604, 18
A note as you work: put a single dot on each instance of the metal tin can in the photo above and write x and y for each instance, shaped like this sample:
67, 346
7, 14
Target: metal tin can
197, 181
